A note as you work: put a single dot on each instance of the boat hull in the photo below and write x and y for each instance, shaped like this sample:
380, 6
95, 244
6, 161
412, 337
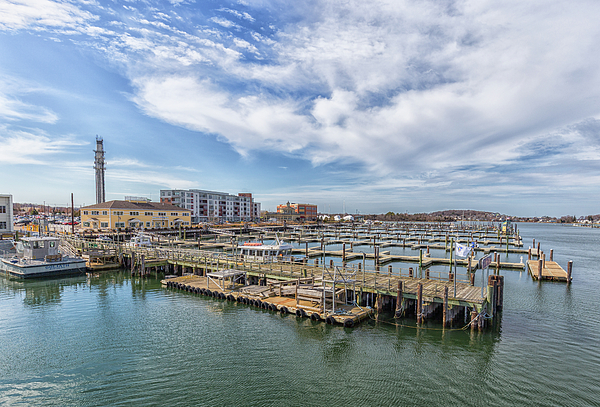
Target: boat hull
43, 269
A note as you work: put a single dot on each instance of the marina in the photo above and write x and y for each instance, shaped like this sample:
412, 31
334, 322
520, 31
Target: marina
120, 338
424, 286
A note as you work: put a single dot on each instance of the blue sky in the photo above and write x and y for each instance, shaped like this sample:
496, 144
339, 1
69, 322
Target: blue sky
404, 106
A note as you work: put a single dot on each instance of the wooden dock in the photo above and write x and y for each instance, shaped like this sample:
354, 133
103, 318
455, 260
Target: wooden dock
272, 297
550, 270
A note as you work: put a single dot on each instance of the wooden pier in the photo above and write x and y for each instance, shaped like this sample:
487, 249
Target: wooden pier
549, 270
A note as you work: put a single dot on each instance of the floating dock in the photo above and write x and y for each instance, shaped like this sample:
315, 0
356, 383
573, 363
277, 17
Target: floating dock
549, 270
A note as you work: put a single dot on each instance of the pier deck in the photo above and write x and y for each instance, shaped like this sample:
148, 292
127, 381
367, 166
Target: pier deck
552, 271
266, 297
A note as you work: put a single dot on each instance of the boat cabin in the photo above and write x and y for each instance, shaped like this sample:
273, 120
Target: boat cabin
140, 240
39, 248
265, 253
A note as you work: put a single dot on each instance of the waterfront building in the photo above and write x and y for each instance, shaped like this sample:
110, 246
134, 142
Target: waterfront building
303, 211
212, 206
136, 213
6, 214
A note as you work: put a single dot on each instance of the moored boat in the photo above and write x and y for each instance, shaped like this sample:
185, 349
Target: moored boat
266, 253
40, 257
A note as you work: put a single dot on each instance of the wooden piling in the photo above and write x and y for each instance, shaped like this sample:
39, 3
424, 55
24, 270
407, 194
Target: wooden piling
539, 270
543, 260
474, 321
445, 309
551, 254
399, 312
419, 303
569, 271
410, 272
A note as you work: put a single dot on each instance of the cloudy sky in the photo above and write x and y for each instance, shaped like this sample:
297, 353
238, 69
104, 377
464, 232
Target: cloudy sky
371, 106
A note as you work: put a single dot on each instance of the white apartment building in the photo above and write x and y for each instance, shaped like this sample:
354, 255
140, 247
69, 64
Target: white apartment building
6, 214
212, 206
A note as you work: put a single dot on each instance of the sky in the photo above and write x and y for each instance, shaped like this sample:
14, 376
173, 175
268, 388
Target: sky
356, 106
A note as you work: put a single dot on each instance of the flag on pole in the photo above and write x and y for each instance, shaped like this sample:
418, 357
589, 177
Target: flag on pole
461, 250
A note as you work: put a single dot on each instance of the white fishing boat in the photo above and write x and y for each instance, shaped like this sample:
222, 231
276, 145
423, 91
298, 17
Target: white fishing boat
266, 253
140, 240
40, 257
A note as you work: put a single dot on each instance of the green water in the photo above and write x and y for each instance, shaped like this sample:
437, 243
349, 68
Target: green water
115, 340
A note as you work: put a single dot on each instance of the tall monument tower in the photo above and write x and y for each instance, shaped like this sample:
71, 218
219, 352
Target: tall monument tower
99, 167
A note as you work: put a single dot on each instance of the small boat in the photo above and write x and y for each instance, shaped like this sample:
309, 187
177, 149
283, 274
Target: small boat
140, 240
40, 257
266, 253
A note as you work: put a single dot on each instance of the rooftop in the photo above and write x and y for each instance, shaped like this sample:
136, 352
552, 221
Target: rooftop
135, 205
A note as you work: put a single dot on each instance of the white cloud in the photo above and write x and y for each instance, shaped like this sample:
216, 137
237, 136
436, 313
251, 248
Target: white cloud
14, 109
20, 147
223, 22
15, 14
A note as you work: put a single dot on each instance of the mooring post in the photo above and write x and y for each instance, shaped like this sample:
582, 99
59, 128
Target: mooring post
474, 314
132, 262
410, 272
344, 253
569, 271
419, 303
539, 250
529, 254
497, 263
551, 254
500, 297
142, 265
398, 313
540, 270
445, 309
544, 260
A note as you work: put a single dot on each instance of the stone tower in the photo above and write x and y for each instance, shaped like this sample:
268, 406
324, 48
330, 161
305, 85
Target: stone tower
99, 167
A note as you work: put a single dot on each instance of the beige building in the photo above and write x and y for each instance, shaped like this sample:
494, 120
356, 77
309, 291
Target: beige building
135, 214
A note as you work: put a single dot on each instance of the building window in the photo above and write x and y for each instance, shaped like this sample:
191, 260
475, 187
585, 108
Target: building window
86, 224
162, 213
103, 224
2, 209
85, 212
174, 214
118, 213
104, 213
95, 212
3, 225
147, 224
185, 214
119, 224
147, 213
134, 214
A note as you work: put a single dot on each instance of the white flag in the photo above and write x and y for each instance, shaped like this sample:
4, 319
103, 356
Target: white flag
462, 251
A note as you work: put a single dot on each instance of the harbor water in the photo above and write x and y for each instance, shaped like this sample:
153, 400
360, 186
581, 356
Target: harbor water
121, 340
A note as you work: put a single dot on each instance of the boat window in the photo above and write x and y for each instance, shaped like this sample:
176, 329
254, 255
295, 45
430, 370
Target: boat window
52, 244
